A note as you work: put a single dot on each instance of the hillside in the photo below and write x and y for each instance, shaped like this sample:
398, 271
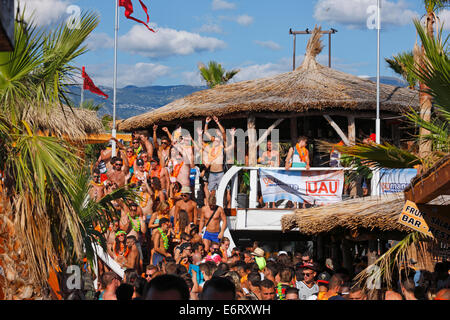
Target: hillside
133, 100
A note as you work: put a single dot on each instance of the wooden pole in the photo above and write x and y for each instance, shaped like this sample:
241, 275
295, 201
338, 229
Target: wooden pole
338, 130
294, 131
351, 130
252, 143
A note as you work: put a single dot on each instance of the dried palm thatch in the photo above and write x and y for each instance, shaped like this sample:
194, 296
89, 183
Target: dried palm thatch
73, 123
310, 87
371, 213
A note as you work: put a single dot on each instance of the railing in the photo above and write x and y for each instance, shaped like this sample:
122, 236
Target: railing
232, 175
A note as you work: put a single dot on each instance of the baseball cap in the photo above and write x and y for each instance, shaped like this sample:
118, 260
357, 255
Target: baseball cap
282, 252
258, 252
140, 162
310, 266
323, 278
185, 189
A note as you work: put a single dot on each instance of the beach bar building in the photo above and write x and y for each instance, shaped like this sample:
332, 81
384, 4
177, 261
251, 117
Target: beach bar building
313, 100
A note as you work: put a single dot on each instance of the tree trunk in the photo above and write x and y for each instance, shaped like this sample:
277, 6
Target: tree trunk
15, 280
425, 100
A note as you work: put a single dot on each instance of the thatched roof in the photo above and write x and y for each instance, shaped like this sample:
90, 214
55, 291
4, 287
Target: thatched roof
371, 213
310, 87
73, 123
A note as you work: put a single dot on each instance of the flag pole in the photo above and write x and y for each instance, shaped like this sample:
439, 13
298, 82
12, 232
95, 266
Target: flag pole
116, 29
378, 124
82, 90
376, 174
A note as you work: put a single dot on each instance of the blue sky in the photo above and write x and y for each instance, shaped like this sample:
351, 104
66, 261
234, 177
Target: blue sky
250, 35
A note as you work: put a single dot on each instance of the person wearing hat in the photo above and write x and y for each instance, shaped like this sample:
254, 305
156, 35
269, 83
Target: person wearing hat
323, 280
186, 204
308, 286
260, 260
160, 242
139, 175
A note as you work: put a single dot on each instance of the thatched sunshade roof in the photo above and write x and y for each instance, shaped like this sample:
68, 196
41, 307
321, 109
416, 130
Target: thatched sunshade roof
310, 87
73, 123
370, 213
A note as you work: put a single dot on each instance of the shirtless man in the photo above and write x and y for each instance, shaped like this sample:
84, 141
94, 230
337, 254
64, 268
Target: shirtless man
97, 189
133, 260
184, 161
119, 172
163, 149
214, 154
106, 156
188, 205
111, 236
160, 249
132, 221
214, 231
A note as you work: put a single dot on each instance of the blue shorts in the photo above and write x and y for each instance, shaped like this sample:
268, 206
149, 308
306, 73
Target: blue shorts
212, 236
157, 258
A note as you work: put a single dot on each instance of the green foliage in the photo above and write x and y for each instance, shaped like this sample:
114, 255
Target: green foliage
214, 74
398, 65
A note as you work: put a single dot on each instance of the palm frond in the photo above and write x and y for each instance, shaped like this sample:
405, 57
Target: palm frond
381, 155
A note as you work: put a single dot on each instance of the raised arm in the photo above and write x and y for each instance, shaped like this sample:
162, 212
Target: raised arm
222, 130
169, 135
155, 139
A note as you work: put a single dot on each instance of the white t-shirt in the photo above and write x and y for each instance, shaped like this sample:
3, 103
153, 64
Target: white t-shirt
304, 292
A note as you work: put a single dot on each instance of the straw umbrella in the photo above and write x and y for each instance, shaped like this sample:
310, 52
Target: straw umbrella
310, 89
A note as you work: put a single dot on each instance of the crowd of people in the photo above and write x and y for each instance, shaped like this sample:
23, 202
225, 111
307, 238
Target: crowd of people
171, 243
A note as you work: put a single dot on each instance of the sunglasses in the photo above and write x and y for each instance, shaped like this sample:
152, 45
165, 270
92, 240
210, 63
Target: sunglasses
118, 164
96, 176
135, 142
164, 142
307, 274
130, 151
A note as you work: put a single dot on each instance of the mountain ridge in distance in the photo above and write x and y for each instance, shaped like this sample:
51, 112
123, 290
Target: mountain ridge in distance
133, 100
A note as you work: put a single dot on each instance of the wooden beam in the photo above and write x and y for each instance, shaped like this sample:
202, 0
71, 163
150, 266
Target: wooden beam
338, 130
269, 130
351, 129
433, 185
252, 146
105, 137
294, 131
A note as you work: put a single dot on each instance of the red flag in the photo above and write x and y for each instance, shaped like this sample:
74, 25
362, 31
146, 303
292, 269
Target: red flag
129, 10
88, 84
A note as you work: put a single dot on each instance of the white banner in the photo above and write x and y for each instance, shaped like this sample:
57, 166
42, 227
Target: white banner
395, 180
314, 187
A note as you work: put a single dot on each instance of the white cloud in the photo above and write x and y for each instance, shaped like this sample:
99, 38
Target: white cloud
444, 17
193, 78
44, 12
244, 20
101, 40
166, 42
210, 28
140, 74
353, 13
222, 5
268, 44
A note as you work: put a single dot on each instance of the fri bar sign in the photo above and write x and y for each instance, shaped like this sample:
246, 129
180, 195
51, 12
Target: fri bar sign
431, 220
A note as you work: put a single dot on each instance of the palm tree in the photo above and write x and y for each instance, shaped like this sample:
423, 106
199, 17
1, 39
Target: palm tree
215, 74
398, 65
432, 7
434, 73
39, 226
